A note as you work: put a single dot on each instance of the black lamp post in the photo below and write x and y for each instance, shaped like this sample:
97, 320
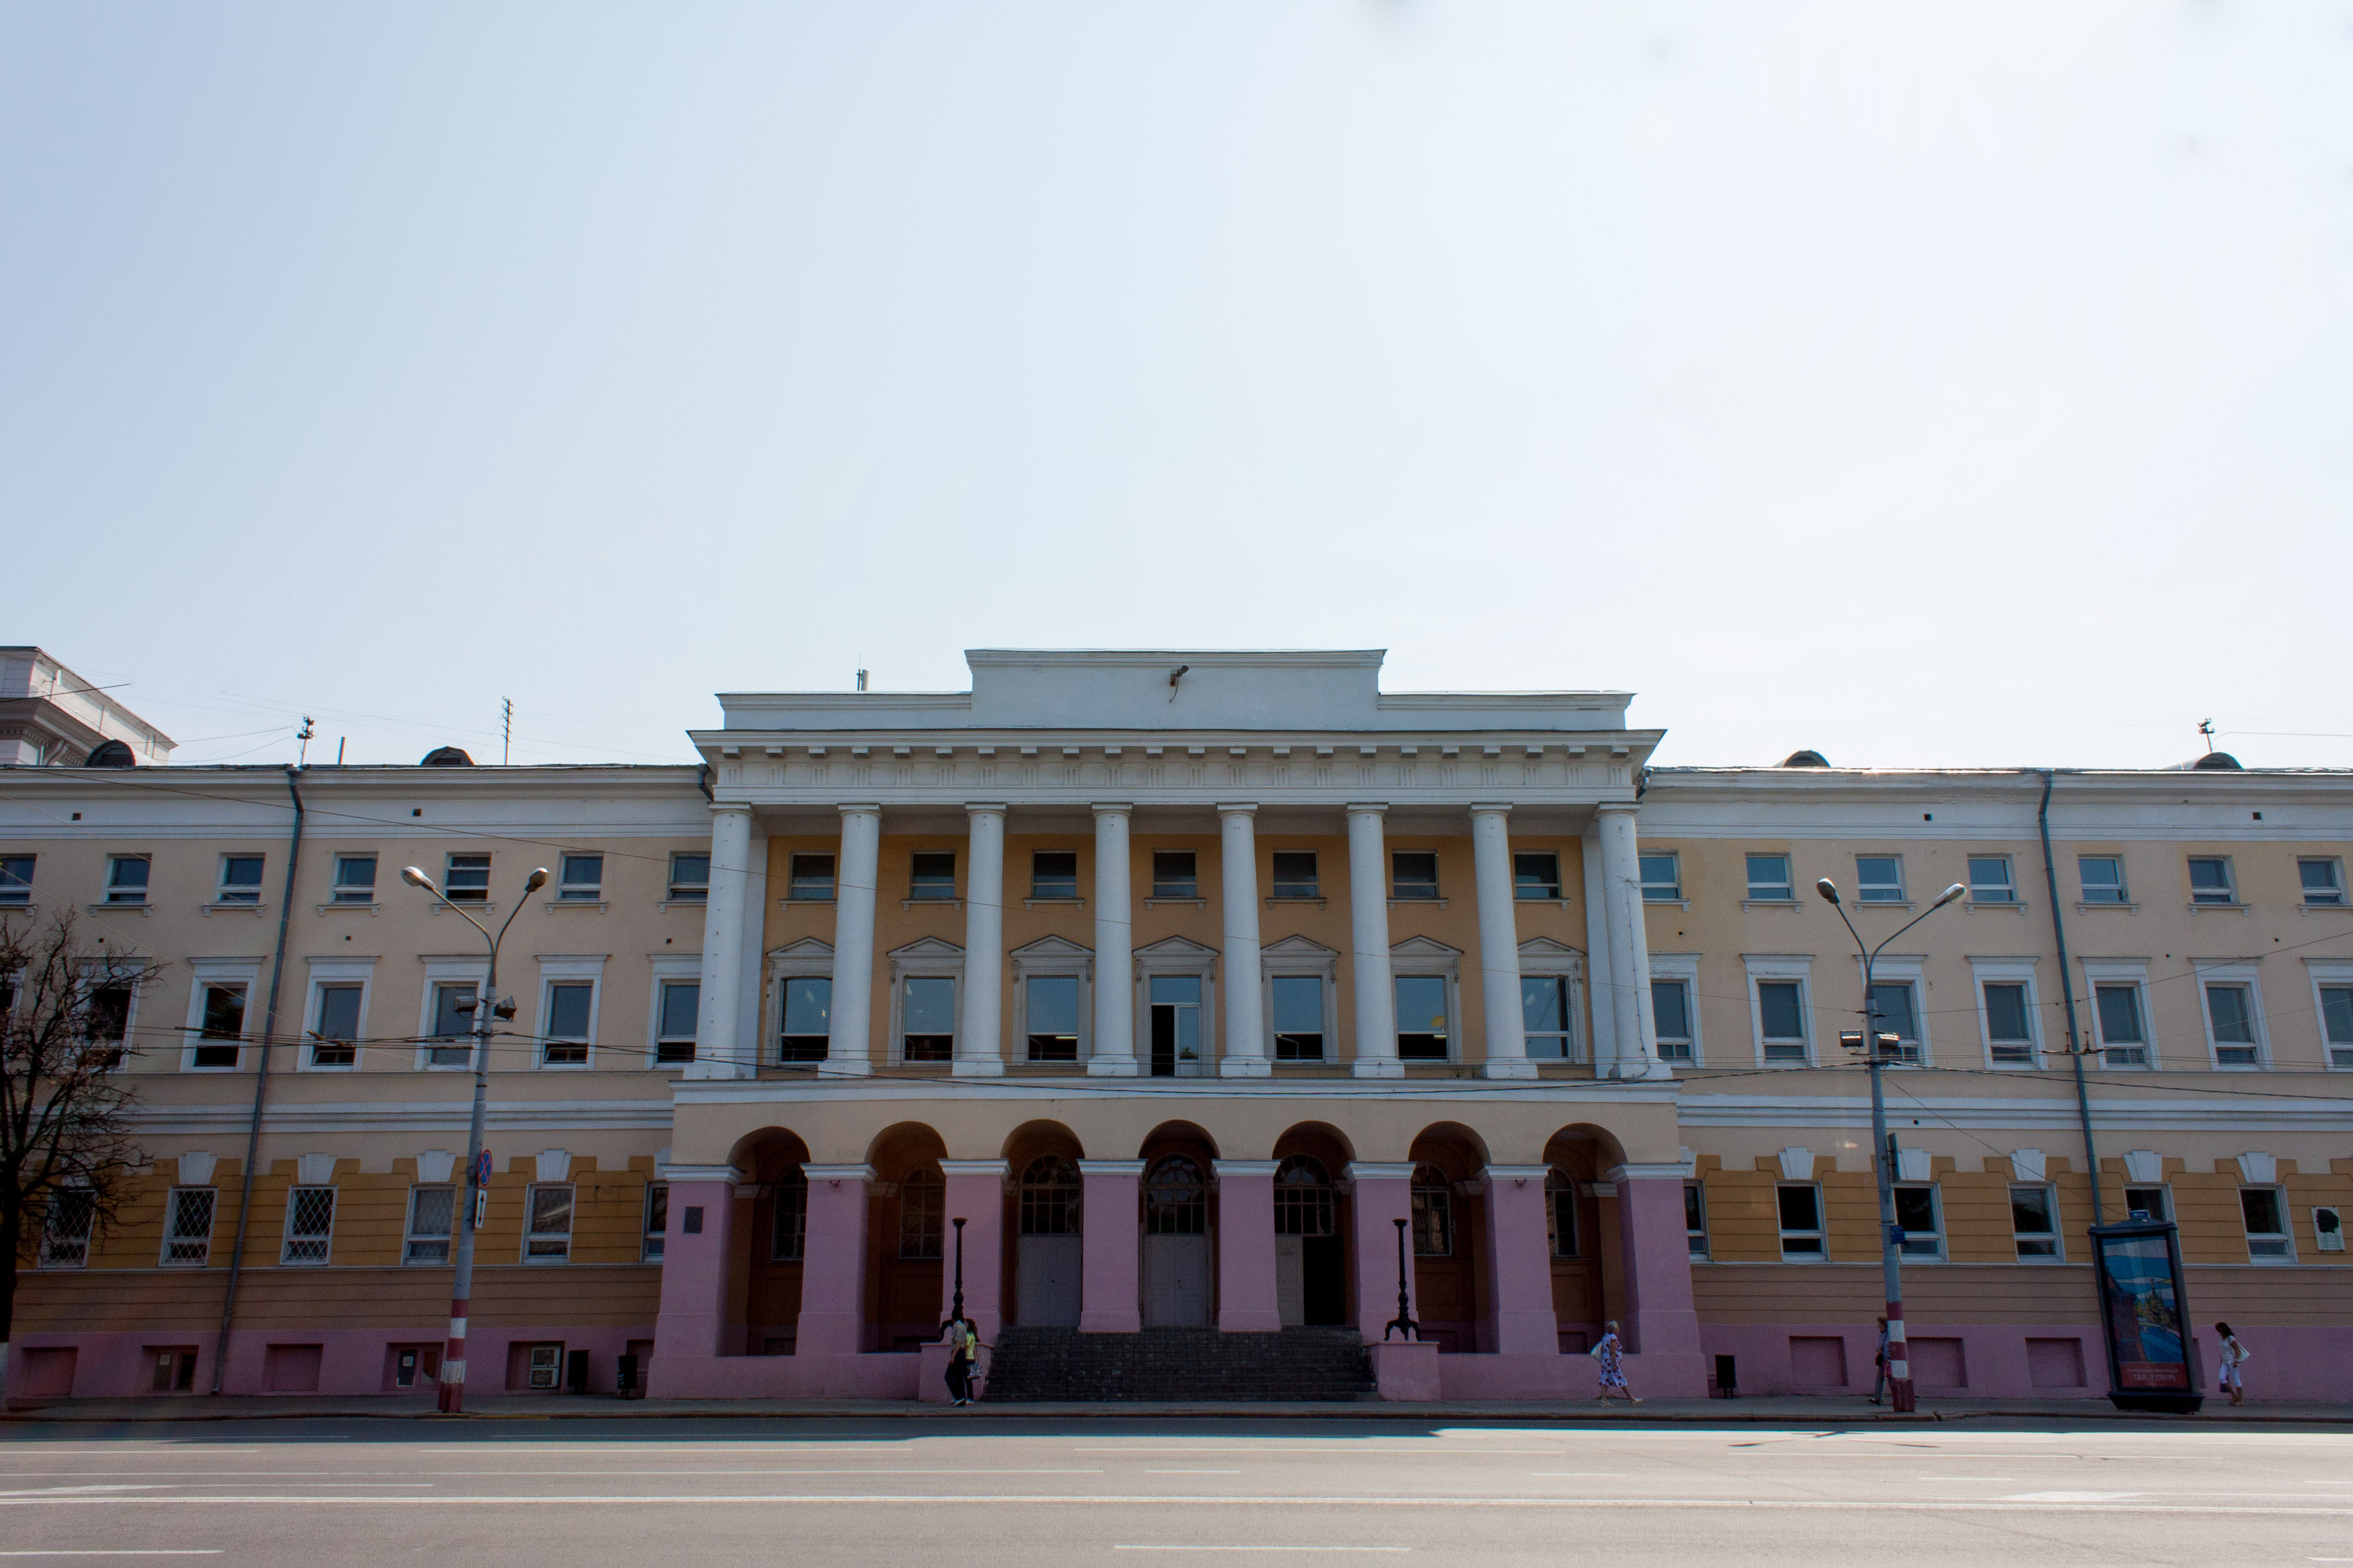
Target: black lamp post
956, 1314
1403, 1322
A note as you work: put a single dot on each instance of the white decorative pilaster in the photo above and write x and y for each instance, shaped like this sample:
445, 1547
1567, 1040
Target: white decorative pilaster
1114, 1043
1629, 945
850, 1043
1499, 945
720, 1036
1245, 1044
1368, 937
980, 1042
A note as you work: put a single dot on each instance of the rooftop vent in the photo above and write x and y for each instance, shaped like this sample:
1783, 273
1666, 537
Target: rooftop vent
1805, 759
446, 757
2211, 763
111, 754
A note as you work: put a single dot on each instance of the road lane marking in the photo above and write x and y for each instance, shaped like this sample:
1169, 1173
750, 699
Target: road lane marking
2071, 1497
1188, 1473
1577, 1475
96, 1552
1125, 1548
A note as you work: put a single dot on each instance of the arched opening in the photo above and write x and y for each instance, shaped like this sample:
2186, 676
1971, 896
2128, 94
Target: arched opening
1448, 1213
906, 1238
775, 1242
1314, 1222
1176, 1257
1587, 1266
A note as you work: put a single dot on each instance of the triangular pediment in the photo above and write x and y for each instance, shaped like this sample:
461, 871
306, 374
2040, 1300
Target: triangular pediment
808, 947
929, 947
1423, 947
1053, 947
1545, 947
1298, 947
1176, 947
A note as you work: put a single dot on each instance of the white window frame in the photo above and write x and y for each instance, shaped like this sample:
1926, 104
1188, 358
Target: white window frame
1559, 887
449, 859
669, 967
146, 891
2229, 883
1681, 968
571, 893
326, 972
206, 973
2056, 1234
19, 895
1821, 1231
2336, 872
1695, 1188
288, 1240
97, 974
1054, 958
1659, 892
2084, 899
571, 1224
1908, 969
1421, 957
2163, 1189
1799, 967
652, 1242
808, 959
336, 887
1177, 957
1984, 972
2006, 890
2333, 972
1302, 958
1542, 959
410, 1236
1935, 1238
930, 958
694, 893
2132, 972
440, 971
569, 969
222, 888
1787, 885
1903, 897
163, 1258
2240, 972
2284, 1236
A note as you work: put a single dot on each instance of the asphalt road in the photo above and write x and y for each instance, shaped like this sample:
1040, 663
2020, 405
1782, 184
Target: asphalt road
973, 1490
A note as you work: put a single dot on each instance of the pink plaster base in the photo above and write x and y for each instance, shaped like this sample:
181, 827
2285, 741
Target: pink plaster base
351, 1360
1407, 1370
888, 1376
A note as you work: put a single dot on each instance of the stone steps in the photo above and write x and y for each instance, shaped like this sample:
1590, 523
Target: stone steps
1179, 1365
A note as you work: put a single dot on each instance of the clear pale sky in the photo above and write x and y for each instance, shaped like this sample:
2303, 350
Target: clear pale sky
1926, 383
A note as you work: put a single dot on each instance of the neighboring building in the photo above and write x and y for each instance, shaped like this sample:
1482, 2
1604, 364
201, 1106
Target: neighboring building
51, 717
1185, 980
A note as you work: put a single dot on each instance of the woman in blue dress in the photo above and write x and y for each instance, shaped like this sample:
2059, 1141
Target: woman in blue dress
1611, 1353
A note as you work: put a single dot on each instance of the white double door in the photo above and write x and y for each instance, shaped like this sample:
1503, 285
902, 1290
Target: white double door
1176, 1281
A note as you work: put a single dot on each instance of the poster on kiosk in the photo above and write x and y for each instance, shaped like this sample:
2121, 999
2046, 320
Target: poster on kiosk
2145, 1313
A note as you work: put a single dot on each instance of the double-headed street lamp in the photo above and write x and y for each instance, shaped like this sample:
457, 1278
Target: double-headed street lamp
486, 1009
1878, 1050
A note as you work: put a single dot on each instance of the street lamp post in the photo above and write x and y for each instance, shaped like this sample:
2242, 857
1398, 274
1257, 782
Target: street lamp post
1874, 1046
486, 1010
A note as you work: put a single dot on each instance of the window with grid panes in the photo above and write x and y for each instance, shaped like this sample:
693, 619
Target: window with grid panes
923, 1203
1302, 1198
467, 879
432, 1220
66, 1228
221, 1034
188, 1226
310, 1225
1434, 1213
1176, 1198
1051, 1194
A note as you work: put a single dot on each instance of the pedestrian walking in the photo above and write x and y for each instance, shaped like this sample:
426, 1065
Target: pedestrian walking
964, 1355
1879, 1378
1611, 1353
2233, 1357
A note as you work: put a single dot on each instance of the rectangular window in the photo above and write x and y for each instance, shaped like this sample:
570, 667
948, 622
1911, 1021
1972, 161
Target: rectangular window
2265, 1212
2010, 1032
106, 1028
1896, 1012
2124, 1042
657, 1222
335, 1032
569, 1005
1663, 879
583, 881
1671, 1011
1535, 876
1769, 880
548, 1235
927, 1016
2034, 1221
2148, 1203
1294, 874
1781, 1019
66, 1232
1174, 875
808, 1032
452, 1021
690, 879
224, 1028
1413, 874
2336, 1024
354, 879
1879, 878
1544, 1017
1053, 1017
188, 1226
812, 879
432, 1217
931, 876
2102, 877
2209, 882
467, 879
1422, 1034
1989, 880
675, 1015
310, 1225
1054, 874
2323, 882
240, 879
1298, 1001
1800, 1207
1695, 1219
1922, 1217
126, 879
17, 878
2230, 1015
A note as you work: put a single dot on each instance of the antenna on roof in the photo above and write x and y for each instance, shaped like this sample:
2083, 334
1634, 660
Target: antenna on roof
861, 680
506, 729
303, 736
2206, 733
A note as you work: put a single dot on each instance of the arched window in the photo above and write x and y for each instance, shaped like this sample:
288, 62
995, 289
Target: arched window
922, 1200
788, 1238
1302, 1198
1434, 1213
1049, 1197
1176, 1198
1560, 1212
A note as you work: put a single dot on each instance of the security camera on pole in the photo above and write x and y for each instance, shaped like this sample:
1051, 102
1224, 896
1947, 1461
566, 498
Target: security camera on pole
486, 1007
1879, 1049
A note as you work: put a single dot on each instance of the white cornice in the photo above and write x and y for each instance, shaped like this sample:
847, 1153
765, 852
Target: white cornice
1432, 1092
426, 1116
2185, 1114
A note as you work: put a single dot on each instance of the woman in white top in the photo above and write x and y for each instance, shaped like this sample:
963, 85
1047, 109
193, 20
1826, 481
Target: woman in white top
2233, 1357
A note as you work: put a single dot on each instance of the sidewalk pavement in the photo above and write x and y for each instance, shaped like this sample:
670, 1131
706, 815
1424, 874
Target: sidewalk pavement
1781, 1411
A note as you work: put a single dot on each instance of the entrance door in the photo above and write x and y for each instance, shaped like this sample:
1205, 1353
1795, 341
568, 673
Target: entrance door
1290, 1280
1176, 1025
1176, 1278
1310, 1271
1048, 1258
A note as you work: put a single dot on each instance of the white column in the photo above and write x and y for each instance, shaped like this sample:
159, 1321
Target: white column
1368, 936
718, 1046
1629, 946
980, 1036
850, 1048
1602, 991
1113, 1055
1499, 945
1245, 1045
